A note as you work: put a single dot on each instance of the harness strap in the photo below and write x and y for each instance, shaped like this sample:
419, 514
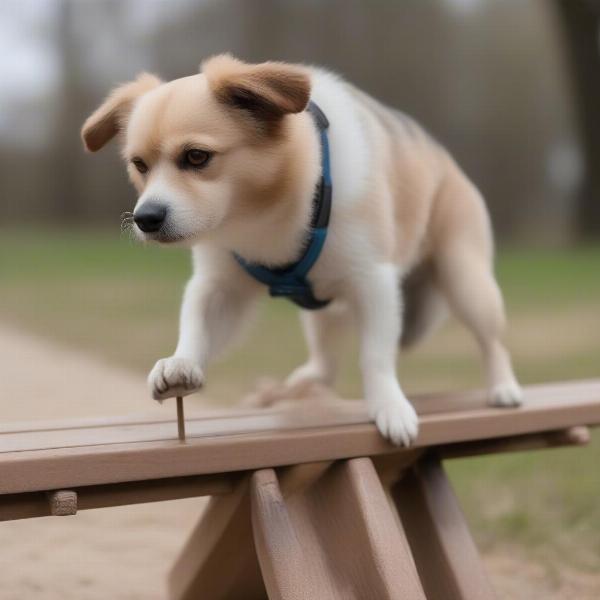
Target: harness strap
290, 280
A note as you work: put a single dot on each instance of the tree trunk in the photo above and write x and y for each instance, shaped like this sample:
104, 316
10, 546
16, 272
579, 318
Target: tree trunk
580, 21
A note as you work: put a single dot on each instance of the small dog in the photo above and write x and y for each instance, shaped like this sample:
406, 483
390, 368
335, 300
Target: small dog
227, 162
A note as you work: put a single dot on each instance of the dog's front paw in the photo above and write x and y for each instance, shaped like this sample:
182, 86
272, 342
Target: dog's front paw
396, 420
507, 394
174, 376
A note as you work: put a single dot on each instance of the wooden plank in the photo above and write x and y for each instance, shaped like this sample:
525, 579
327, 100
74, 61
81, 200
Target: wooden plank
227, 423
445, 554
389, 466
332, 536
36, 435
218, 562
278, 439
35, 504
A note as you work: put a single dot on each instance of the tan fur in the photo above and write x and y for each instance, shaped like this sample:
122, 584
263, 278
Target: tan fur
265, 174
272, 89
419, 212
413, 168
110, 118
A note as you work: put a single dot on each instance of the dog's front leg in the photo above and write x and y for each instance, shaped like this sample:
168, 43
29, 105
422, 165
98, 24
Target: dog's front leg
376, 293
211, 313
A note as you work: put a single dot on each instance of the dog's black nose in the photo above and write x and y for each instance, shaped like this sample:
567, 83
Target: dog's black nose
150, 216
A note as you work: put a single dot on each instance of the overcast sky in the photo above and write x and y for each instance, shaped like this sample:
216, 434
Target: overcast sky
29, 64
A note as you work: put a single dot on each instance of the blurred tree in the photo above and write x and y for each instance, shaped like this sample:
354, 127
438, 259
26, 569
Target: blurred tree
486, 77
581, 26
65, 183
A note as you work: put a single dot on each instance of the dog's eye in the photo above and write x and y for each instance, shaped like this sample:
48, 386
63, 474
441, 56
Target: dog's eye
196, 158
140, 165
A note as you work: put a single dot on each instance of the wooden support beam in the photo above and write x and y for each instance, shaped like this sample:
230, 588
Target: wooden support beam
332, 538
218, 562
442, 546
571, 436
291, 571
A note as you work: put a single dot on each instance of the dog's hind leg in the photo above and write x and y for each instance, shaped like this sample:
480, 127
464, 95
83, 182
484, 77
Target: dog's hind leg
323, 331
465, 268
314, 379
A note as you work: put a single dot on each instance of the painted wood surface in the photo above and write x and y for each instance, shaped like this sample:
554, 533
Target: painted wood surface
72, 454
323, 531
444, 551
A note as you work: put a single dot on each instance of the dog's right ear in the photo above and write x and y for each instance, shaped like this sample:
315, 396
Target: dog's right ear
109, 118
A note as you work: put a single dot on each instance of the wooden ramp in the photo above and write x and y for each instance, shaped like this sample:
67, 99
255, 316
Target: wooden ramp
309, 502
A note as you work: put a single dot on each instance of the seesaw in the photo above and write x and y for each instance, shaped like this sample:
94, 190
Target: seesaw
307, 502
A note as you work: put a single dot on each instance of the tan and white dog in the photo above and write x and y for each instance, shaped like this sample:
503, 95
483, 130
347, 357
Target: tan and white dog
227, 161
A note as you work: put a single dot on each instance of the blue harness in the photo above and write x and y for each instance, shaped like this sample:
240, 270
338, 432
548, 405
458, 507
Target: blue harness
290, 280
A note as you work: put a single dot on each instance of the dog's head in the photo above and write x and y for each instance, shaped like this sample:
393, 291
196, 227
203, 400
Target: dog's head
205, 150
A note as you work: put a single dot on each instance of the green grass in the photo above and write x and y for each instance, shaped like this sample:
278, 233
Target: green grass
555, 277
120, 300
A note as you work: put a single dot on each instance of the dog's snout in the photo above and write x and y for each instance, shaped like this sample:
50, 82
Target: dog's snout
150, 216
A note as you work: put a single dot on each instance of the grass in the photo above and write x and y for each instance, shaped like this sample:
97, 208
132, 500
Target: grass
119, 301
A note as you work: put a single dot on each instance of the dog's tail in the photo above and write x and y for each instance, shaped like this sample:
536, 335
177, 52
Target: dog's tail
425, 307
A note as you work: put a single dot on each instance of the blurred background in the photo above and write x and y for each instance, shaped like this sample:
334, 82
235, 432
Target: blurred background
493, 80
510, 87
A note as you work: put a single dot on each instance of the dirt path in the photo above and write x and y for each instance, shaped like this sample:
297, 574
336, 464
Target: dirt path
42, 380
124, 553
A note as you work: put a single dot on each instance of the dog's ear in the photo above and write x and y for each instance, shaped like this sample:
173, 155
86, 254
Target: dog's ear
109, 118
267, 91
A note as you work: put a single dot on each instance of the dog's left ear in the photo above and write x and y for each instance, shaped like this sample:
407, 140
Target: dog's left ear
267, 91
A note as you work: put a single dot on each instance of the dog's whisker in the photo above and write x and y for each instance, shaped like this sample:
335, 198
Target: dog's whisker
127, 226
126, 219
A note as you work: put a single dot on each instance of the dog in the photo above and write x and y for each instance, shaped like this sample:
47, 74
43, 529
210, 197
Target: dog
227, 162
